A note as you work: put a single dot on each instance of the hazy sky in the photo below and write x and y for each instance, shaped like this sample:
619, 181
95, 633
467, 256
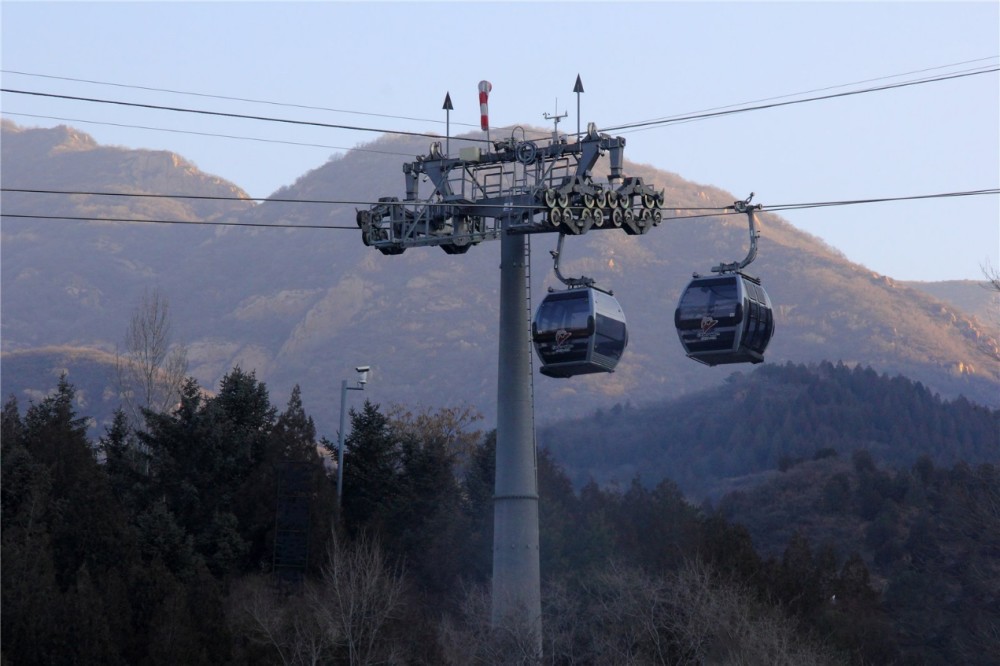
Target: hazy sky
388, 66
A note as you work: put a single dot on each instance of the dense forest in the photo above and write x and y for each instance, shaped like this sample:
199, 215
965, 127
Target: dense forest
710, 441
157, 544
930, 535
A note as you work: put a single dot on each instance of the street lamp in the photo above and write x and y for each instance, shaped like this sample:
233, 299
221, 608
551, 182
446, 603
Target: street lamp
362, 371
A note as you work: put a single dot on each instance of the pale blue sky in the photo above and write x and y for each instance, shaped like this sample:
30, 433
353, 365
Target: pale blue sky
637, 61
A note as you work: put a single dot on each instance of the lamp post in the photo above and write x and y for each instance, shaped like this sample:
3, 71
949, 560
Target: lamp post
362, 371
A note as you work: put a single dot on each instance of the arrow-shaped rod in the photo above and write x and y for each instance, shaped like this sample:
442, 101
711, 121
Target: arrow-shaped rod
447, 124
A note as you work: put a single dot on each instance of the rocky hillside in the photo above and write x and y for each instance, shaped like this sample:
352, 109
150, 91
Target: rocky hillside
304, 306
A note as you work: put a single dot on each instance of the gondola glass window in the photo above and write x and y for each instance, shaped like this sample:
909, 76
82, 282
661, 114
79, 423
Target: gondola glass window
610, 337
713, 296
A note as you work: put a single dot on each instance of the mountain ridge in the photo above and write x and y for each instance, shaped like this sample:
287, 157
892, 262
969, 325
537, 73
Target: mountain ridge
304, 306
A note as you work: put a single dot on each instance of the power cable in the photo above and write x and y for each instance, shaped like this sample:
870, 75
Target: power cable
633, 126
207, 197
846, 202
212, 134
229, 98
854, 202
184, 222
772, 105
210, 197
693, 114
383, 115
224, 114
720, 212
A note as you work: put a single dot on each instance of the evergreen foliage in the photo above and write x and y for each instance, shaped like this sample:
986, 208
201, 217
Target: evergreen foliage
156, 546
771, 418
926, 538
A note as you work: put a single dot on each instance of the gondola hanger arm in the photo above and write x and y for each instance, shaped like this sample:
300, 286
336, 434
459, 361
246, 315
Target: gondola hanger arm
743, 207
582, 281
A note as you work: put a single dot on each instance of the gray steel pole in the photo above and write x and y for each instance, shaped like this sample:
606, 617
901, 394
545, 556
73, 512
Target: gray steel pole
340, 443
517, 597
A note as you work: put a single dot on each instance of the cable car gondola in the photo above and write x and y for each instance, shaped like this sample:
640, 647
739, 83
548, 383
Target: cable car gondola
726, 317
580, 330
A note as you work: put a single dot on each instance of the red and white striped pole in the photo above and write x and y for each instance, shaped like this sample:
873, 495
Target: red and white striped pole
484, 111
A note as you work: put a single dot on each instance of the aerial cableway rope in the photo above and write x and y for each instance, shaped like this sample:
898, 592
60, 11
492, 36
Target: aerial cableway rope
717, 212
223, 114
772, 105
627, 126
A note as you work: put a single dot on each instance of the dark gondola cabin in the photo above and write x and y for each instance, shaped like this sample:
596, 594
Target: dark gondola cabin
579, 331
724, 318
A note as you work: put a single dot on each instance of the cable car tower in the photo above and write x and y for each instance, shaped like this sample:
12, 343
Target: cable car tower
503, 191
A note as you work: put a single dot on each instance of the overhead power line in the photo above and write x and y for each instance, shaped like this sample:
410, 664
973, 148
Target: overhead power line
196, 223
627, 126
437, 121
223, 114
250, 100
352, 202
825, 88
213, 134
772, 105
209, 197
718, 211
854, 202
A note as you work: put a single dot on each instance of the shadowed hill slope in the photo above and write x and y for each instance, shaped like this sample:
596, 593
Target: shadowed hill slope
304, 306
738, 435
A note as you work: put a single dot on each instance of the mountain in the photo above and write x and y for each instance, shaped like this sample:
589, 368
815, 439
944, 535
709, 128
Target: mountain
304, 306
928, 535
744, 433
979, 299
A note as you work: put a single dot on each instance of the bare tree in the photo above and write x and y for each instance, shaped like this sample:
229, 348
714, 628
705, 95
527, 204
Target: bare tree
989, 343
348, 612
992, 276
625, 616
283, 624
150, 370
357, 599
451, 426
472, 638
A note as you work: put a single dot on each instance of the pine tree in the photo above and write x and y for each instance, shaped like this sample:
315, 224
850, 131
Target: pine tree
202, 454
371, 471
65, 539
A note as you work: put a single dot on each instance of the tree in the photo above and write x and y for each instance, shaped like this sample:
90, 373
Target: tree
202, 455
477, 488
993, 284
290, 456
694, 615
992, 276
451, 427
471, 637
284, 626
150, 370
359, 596
371, 471
65, 540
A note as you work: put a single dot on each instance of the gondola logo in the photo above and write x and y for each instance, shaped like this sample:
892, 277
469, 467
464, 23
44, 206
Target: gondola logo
708, 331
562, 341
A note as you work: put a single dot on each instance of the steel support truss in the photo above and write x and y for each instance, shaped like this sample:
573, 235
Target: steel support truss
519, 187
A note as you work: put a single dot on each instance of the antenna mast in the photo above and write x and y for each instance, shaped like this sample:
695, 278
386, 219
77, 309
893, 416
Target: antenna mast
555, 118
